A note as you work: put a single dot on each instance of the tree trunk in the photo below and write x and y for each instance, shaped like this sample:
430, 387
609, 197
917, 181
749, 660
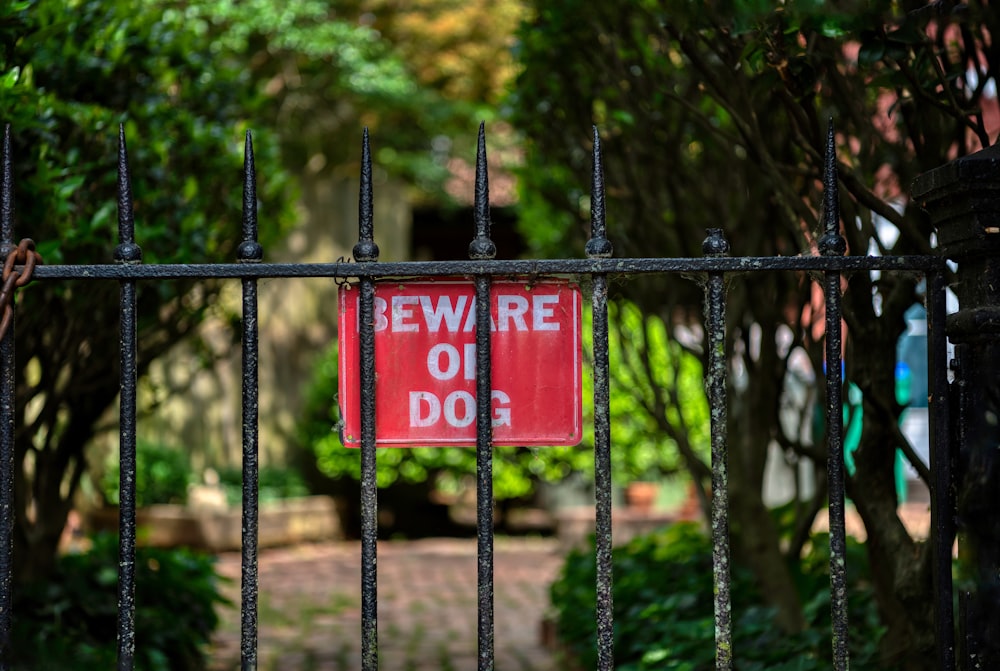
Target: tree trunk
900, 566
758, 548
757, 542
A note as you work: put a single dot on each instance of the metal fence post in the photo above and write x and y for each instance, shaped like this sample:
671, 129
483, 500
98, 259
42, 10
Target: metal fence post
963, 200
7, 387
482, 248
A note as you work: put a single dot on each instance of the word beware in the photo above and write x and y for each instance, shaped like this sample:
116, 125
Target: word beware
512, 313
425, 363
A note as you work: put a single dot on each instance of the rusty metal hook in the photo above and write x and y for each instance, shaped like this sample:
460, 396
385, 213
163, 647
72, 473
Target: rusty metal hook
23, 255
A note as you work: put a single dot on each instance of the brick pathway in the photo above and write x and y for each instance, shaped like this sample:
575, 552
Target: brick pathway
309, 608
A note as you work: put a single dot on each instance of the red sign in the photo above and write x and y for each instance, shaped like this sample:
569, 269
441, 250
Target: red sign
425, 363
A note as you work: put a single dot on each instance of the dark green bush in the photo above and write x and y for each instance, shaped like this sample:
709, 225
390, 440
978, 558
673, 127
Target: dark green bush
664, 613
70, 622
273, 484
162, 475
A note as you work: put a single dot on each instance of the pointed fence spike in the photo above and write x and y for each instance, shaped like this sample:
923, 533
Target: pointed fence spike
831, 243
7, 197
482, 201
366, 249
126, 251
830, 187
598, 246
482, 246
249, 250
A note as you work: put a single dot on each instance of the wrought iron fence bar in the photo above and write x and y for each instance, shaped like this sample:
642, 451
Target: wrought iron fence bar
482, 249
249, 251
398, 269
484, 477
832, 245
942, 487
715, 327
7, 386
835, 469
126, 253
367, 251
969, 650
600, 247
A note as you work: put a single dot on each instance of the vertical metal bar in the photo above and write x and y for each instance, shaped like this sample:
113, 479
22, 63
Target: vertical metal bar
127, 252
832, 244
942, 489
715, 324
957, 438
366, 251
969, 656
249, 251
7, 462
482, 248
970, 659
599, 247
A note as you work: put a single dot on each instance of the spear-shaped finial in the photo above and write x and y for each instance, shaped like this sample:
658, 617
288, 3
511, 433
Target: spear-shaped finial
831, 243
126, 251
482, 246
7, 197
249, 250
598, 246
366, 249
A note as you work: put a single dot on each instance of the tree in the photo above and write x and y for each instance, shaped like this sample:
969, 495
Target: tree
186, 79
419, 75
716, 115
70, 76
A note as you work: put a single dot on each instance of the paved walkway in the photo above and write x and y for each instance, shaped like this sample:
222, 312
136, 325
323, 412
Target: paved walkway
309, 606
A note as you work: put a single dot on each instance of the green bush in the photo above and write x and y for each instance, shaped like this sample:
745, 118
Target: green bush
664, 612
70, 622
273, 484
162, 475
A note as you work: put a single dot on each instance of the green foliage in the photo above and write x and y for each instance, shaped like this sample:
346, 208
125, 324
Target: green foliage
72, 72
715, 115
186, 80
327, 71
72, 76
162, 475
657, 396
70, 623
641, 447
273, 484
664, 613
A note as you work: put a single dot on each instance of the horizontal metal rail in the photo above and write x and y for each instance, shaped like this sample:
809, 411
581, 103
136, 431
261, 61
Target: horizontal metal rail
611, 266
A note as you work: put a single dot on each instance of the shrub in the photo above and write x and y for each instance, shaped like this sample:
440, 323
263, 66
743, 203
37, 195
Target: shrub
70, 622
664, 613
162, 475
273, 484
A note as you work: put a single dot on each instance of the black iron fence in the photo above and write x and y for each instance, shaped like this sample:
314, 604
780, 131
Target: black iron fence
481, 267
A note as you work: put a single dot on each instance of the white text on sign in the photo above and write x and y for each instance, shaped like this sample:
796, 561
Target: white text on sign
459, 409
514, 313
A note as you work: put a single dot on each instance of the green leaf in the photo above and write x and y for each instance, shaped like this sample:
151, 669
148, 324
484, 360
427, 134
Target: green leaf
907, 34
9, 80
872, 50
